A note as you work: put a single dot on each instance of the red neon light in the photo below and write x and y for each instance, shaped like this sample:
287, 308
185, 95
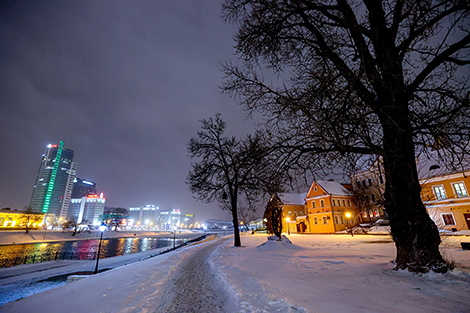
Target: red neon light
54, 146
95, 197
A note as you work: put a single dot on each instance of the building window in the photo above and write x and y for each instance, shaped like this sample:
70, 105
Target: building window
325, 220
315, 221
336, 220
370, 182
289, 213
322, 203
439, 192
313, 204
460, 190
333, 201
349, 202
373, 198
295, 212
344, 202
315, 189
448, 219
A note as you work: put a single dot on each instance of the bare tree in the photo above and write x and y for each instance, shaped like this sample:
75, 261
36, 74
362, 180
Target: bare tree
73, 225
226, 167
351, 78
28, 219
117, 216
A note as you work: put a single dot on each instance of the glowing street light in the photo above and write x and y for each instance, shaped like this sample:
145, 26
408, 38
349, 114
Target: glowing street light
348, 216
102, 228
287, 223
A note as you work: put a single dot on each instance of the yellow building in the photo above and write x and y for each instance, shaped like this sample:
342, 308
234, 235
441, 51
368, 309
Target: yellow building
446, 197
294, 213
327, 205
19, 220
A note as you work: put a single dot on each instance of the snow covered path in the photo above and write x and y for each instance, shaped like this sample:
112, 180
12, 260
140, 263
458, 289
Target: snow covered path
317, 273
193, 288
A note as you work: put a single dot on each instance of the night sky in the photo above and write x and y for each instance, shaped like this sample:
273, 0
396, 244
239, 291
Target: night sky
123, 83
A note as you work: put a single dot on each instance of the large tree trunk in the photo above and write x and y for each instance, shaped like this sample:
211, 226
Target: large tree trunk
415, 235
236, 230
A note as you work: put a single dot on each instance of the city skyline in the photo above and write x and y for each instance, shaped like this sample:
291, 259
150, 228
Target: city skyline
124, 86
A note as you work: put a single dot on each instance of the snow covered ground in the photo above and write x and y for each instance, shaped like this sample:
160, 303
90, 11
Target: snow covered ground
317, 273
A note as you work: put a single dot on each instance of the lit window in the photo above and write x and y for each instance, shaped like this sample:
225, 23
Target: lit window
439, 192
448, 219
460, 190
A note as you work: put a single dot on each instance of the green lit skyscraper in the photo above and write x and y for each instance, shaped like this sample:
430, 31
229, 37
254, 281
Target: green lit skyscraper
54, 183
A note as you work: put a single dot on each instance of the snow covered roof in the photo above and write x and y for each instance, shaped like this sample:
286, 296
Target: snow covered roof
293, 198
333, 188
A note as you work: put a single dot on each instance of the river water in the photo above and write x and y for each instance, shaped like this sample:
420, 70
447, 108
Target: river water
86, 249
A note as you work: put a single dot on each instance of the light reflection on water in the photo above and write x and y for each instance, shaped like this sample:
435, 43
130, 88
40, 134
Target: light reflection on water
109, 247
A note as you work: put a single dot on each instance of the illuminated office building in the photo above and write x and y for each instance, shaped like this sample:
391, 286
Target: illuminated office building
54, 182
83, 188
143, 217
170, 219
87, 210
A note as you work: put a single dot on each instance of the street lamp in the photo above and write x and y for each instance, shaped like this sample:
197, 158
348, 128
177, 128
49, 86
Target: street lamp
102, 228
287, 223
348, 216
174, 237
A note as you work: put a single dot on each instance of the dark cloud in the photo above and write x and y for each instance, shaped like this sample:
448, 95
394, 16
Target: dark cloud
123, 83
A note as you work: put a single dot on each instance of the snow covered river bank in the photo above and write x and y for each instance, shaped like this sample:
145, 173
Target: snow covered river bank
317, 273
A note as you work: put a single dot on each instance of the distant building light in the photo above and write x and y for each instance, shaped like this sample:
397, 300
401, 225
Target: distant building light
87, 182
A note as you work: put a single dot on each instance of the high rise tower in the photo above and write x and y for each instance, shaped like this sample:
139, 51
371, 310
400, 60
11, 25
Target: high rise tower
83, 188
54, 183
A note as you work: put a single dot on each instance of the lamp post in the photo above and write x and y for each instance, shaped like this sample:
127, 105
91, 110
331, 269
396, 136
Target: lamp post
102, 229
348, 216
287, 223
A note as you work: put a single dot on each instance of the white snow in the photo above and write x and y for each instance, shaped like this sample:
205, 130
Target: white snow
333, 188
316, 273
